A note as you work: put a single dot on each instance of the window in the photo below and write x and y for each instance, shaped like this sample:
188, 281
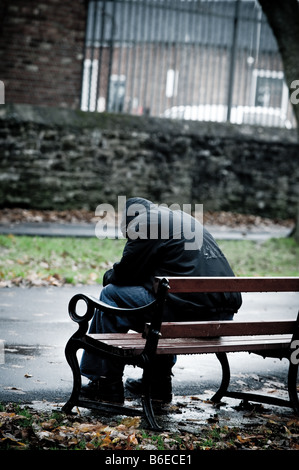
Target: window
269, 90
117, 87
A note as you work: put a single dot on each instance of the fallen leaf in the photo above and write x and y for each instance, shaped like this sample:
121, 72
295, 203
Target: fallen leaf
86, 427
15, 389
49, 424
132, 439
106, 442
244, 439
93, 276
287, 430
12, 439
131, 422
4, 414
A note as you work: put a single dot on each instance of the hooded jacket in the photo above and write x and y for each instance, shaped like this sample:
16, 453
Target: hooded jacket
164, 242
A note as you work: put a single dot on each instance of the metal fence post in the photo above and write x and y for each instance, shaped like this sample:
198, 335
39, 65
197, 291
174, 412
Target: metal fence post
233, 60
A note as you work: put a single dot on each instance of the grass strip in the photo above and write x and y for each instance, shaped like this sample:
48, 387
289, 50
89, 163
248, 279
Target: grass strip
59, 260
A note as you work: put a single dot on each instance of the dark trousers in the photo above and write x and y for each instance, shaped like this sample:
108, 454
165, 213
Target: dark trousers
92, 366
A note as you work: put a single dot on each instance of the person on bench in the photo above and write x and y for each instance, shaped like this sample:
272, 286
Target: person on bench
160, 242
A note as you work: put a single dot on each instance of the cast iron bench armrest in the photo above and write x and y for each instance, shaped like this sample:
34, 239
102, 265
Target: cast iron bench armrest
94, 303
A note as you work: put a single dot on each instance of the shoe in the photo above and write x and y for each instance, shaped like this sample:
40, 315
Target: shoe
161, 390
104, 390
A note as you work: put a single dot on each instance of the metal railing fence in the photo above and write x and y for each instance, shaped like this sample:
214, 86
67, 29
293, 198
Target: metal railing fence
187, 59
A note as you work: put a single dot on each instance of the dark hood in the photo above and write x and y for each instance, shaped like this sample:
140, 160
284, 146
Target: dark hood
136, 207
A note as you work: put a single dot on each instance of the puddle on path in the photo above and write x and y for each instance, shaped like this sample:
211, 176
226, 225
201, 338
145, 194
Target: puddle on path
188, 414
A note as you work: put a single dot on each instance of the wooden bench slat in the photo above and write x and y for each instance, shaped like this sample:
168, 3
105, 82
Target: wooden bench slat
233, 284
202, 346
210, 329
121, 341
232, 328
116, 336
199, 345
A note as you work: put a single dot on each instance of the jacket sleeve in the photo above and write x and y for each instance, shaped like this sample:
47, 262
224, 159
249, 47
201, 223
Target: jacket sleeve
136, 266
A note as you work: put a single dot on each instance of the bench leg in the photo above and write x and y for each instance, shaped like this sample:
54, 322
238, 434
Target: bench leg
71, 357
222, 357
292, 386
146, 400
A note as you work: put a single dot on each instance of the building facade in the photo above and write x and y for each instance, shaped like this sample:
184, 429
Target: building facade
186, 59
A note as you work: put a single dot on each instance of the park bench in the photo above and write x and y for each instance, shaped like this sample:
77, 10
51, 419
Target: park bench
275, 338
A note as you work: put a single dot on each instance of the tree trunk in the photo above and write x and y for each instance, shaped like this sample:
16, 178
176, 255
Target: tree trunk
295, 232
283, 17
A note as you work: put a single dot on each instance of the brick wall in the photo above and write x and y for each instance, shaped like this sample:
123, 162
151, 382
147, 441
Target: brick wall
41, 51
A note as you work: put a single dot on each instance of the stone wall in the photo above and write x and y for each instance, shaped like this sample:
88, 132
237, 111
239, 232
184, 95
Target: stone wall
57, 159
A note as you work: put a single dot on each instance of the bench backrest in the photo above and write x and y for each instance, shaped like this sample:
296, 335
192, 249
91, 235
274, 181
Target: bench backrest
203, 329
229, 328
233, 284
